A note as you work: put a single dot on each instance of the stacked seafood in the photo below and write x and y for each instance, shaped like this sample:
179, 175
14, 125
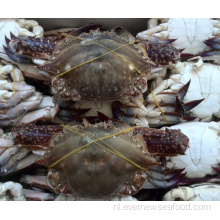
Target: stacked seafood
94, 134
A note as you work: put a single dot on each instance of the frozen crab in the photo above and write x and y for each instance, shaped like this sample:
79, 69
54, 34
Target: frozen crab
194, 35
202, 160
107, 159
204, 85
200, 163
197, 192
165, 108
20, 102
92, 64
20, 27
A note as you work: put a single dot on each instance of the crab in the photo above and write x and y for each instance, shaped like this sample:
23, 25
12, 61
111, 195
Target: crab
20, 27
204, 79
112, 65
199, 164
197, 36
196, 192
108, 159
166, 110
20, 102
202, 159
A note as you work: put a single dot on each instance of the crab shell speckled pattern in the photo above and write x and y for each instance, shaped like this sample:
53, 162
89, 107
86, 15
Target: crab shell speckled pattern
109, 76
93, 171
92, 80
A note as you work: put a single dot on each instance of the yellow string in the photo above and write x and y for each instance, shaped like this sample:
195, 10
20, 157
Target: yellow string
94, 141
11, 156
99, 139
148, 35
108, 136
142, 100
25, 69
14, 96
110, 51
155, 99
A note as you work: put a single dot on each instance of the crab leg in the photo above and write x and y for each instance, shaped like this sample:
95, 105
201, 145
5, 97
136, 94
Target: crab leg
35, 136
163, 27
168, 142
36, 181
33, 195
156, 177
11, 164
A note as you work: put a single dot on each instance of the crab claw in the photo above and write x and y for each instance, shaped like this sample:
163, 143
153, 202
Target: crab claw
34, 136
162, 54
13, 55
168, 142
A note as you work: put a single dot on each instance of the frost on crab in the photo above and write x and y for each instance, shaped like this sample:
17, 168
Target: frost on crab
204, 85
197, 36
20, 102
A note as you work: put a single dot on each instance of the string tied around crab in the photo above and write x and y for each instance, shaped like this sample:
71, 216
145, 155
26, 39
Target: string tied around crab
110, 51
107, 148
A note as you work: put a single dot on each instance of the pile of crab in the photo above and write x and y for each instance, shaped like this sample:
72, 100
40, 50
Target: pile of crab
88, 113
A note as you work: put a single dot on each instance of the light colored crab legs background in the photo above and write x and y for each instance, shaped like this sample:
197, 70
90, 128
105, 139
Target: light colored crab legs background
201, 159
190, 34
164, 108
197, 192
13, 157
20, 27
17, 98
44, 196
204, 85
204, 151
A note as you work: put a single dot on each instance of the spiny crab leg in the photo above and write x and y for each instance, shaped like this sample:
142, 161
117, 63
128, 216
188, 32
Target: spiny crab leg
163, 143
170, 104
156, 177
214, 43
168, 97
16, 57
32, 135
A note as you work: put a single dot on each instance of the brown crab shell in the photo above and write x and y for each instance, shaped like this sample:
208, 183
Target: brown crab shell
109, 74
95, 172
